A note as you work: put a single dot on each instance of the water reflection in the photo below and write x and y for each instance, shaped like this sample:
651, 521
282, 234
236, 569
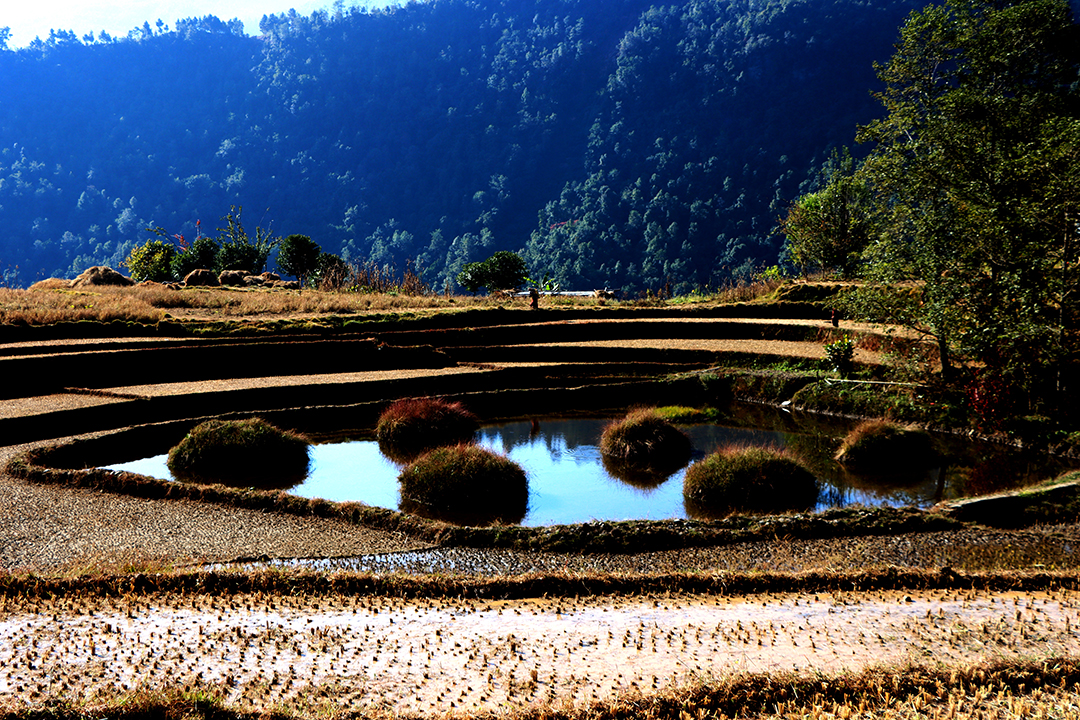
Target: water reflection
568, 482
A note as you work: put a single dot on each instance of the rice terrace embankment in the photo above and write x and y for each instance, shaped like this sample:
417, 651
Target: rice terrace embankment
128, 596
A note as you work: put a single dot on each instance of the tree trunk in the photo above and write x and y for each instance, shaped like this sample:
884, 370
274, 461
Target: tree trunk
946, 360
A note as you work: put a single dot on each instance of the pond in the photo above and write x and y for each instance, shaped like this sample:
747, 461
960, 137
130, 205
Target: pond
568, 482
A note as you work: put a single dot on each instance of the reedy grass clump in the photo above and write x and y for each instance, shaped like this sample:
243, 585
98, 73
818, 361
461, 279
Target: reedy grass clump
465, 484
412, 426
248, 452
740, 478
883, 445
644, 444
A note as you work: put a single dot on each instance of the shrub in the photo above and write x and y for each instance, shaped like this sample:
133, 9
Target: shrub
840, 355
242, 256
412, 426
237, 251
644, 442
883, 446
152, 261
330, 273
502, 271
298, 255
202, 255
752, 479
465, 484
240, 452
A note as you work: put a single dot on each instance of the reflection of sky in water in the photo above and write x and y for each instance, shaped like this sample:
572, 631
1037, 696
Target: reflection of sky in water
568, 482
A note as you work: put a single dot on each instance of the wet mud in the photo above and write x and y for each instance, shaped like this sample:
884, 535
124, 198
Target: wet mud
364, 653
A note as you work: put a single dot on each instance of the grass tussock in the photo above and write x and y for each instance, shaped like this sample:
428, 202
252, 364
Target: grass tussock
412, 426
248, 452
883, 445
741, 478
683, 415
465, 484
644, 445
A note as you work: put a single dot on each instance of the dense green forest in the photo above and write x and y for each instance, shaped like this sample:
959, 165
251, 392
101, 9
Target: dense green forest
618, 144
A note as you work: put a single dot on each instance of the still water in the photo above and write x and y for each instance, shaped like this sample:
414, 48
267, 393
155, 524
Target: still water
568, 482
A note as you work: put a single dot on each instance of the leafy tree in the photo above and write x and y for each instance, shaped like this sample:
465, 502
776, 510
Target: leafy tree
502, 271
200, 255
151, 261
505, 270
298, 255
237, 251
975, 171
830, 228
473, 276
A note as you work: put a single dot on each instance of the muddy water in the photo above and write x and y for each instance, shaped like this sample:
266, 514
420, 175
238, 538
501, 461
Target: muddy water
357, 653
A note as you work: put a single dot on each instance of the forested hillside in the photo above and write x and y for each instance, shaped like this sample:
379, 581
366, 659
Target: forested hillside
615, 144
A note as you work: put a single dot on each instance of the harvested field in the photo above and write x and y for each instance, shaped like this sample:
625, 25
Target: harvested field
391, 655
85, 624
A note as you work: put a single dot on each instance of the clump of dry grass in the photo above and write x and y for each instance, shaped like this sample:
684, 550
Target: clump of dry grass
248, 452
737, 290
46, 307
412, 426
643, 447
883, 445
748, 478
465, 484
371, 277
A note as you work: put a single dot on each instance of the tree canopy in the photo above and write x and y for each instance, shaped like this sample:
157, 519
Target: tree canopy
298, 255
828, 229
975, 169
504, 270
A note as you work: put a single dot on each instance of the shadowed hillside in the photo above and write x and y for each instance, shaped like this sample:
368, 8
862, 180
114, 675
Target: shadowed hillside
630, 146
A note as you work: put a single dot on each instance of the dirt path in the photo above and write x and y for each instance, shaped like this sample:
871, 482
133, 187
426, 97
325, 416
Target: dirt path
352, 653
46, 528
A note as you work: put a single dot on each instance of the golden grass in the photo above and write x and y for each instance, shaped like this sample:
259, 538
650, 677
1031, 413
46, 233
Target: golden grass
45, 307
52, 302
151, 303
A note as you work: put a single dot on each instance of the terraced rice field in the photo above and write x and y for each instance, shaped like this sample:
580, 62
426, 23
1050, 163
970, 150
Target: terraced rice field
72, 651
362, 653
